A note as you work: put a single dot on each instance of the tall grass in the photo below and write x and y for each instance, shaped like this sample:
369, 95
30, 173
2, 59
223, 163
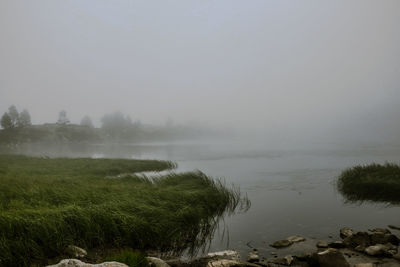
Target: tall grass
47, 204
372, 182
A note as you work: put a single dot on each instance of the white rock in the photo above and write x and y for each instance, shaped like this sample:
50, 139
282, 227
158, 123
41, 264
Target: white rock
156, 262
227, 254
222, 263
78, 263
295, 238
376, 250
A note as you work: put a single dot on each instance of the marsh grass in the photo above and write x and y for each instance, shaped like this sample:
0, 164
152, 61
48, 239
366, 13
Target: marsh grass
48, 204
374, 182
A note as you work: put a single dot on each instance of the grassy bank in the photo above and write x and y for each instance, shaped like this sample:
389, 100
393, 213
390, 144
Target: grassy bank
47, 204
371, 182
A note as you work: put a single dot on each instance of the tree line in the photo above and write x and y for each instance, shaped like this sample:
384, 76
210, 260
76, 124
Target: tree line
14, 119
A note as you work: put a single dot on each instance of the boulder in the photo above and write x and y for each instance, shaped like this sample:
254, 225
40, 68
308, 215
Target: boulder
331, 258
78, 263
281, 243
346, 232
322, 244
364, 265
75, 252
156, 262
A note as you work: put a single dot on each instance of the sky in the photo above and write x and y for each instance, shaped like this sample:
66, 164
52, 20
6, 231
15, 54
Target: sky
296, 68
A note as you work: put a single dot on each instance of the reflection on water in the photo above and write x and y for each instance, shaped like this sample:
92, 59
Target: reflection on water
292, 192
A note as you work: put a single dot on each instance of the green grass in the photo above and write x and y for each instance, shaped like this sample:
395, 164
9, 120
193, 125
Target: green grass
47, 204
373, 182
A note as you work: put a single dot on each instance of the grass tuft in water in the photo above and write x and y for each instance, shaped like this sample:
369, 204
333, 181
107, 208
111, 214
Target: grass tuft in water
374, 182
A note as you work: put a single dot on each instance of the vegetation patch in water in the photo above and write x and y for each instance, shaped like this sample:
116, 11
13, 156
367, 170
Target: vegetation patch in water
48, 204
372, 182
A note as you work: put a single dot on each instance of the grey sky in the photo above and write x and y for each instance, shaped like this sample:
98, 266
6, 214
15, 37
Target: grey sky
303, 66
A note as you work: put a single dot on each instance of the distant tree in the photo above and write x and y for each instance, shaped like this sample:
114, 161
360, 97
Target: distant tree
6, 121
62, 118
87, 121
14, 115
116, 125
24, 119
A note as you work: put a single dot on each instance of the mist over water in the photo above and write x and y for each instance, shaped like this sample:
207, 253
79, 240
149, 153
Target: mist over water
297, 72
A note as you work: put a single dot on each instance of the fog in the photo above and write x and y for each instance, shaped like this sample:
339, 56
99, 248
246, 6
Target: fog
302, 71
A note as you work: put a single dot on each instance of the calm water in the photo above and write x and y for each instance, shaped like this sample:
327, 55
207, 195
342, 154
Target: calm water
292, 191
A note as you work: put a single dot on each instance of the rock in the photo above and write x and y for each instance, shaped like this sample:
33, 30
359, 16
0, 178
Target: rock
223, 263
380, 230
226, 254
322, 244
337, 244
394, 227
357, 239
157, 262
364, 265
230, 263
295, 238
287, 260
346, 232
380, 250
281, 243
253, 256
383, 238
331, 258
78, 263
75, 252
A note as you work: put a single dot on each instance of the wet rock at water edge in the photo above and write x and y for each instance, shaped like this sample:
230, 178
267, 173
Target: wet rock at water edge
288, 241
253, 256
383, 238
78, 263
295, 238
157, 262
322, 244
287, 260
75, 252
381, 250
394, 227
358, 239
225, 254
331, 258
346, 232
281, 243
